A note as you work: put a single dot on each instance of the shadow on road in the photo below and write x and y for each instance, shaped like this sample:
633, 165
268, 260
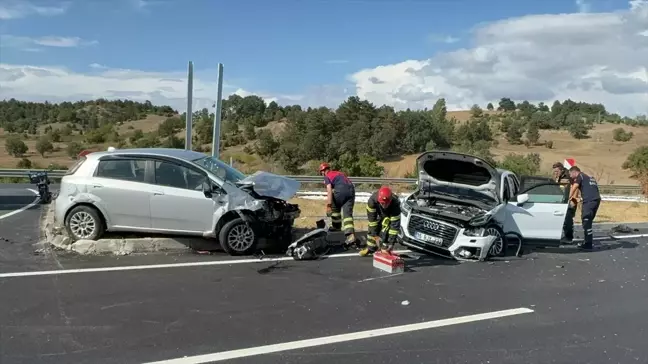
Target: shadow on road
599, 246
15, 202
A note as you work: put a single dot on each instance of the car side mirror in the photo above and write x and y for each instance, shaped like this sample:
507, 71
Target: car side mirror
522, 199
208, 190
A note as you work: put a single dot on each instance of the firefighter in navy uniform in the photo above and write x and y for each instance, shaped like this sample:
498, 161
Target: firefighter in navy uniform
383, 213
591, 198
340, 200
562, 177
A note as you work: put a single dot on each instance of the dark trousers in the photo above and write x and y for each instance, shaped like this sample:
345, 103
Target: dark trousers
342, 211
568, 226
589, 210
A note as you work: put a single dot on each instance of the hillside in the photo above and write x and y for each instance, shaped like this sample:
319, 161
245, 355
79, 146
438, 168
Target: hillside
358, 137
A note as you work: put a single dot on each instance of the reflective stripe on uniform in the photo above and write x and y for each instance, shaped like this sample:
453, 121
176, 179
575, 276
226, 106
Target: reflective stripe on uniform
373, 223
394, 218
369, 209
371, 241
393, 232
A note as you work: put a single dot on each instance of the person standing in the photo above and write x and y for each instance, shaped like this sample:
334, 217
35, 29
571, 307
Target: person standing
591, 198
562, 177
383, 213
340, 200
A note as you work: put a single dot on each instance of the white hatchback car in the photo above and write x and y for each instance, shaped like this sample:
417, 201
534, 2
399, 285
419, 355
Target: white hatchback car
464, 208
175, 191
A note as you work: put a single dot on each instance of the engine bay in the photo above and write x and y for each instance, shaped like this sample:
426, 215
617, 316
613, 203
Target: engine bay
441, 207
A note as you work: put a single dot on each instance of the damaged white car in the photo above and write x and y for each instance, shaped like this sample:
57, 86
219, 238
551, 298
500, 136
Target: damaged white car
466, 209
175, 191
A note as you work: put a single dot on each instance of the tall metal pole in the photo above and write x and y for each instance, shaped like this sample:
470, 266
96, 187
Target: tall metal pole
217, 114
189, 106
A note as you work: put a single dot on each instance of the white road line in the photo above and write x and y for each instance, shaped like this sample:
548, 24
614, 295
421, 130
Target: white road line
170, 265
374, 278
22, 208
328, 340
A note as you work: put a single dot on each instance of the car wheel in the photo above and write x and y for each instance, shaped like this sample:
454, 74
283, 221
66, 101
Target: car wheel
238, 238
498, 249
84, 222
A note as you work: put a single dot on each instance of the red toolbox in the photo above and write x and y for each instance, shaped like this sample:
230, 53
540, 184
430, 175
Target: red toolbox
389, 262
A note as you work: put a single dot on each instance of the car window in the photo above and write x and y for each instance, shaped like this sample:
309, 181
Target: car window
173, 175
513, 185
546, 193
122, 169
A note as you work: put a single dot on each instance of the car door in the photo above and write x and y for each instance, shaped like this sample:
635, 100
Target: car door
121, 192
178, 203
541, 218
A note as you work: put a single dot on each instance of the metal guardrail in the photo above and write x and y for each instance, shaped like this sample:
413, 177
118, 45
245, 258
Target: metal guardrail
22, 173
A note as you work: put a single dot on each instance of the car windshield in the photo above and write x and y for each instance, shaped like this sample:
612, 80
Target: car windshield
460, 193
220, 169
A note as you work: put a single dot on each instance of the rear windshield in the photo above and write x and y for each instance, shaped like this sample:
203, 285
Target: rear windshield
75, 166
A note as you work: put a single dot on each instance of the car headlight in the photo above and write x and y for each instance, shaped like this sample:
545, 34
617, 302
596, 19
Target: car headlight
480, 220
406, 208
474, 232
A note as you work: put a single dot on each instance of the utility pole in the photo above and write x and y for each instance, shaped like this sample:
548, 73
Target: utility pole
189, 117
217, 114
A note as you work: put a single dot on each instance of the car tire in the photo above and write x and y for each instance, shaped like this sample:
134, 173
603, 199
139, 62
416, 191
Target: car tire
498, 249
237, 237
84, 222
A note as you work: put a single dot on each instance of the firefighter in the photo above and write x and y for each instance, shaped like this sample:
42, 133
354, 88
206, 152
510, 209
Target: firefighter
340, 200
383, 213
561, 176
591, 200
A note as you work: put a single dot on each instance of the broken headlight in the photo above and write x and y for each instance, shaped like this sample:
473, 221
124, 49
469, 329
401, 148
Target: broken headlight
406, 208
483, 219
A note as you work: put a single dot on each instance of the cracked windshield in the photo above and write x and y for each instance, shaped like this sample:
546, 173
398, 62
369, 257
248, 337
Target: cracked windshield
323, 181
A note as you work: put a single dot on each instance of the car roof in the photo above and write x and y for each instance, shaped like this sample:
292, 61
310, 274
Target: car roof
188, 155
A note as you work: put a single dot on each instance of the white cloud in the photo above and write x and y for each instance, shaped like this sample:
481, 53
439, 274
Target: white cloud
16, 9
593, 57
583, 6
30, 44
448, 39
56, 84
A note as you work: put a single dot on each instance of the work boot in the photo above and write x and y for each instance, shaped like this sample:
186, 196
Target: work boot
364, 252
351, 242
586, 246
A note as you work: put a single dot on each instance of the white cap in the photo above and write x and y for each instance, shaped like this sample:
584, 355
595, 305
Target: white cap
111, 149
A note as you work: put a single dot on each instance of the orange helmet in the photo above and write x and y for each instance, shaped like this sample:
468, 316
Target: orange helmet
324, 166
384, 195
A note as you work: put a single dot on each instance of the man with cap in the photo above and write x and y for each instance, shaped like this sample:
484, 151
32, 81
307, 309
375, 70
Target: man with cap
561, 176
383, 213
340, 201
591, 198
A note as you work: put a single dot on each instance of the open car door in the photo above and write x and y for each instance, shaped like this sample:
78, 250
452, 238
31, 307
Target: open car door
537, 214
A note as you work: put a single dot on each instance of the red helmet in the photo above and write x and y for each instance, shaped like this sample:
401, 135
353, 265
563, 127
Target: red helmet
384, 195
84, 153
324, 166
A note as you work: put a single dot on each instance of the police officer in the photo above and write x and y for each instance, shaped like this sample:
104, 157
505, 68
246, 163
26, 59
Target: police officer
562, 177
591, 201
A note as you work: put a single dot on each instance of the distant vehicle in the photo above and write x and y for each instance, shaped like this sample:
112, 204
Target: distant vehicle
464, 208
175, 191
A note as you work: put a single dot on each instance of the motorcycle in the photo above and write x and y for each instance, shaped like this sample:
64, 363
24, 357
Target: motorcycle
42, 181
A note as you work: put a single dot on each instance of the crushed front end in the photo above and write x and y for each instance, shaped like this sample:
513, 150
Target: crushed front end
275, 218
452, 212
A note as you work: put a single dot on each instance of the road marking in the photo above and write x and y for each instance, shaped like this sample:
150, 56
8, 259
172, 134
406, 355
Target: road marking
374, 278
170, 265
328, 340
22, 208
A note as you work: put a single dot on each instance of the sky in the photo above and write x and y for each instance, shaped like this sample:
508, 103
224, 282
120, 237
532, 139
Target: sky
406, 54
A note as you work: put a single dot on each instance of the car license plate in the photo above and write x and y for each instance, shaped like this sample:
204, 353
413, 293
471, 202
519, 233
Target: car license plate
428, 238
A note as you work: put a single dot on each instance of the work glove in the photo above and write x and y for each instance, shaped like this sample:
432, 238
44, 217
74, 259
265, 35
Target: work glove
329, 210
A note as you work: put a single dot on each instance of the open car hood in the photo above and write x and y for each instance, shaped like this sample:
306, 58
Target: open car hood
271, 185
463, 175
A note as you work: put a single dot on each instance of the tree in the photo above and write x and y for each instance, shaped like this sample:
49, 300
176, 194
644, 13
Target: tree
137, 135
15, 147
490, 107
506, 104
266, 145
73, 149
514, 133
637, 163
248, 131
577, 127
621, 135
44, 145
522, 164
533, 134
476, 111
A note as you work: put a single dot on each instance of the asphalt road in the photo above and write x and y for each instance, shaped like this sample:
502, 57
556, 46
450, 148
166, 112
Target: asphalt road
582, 307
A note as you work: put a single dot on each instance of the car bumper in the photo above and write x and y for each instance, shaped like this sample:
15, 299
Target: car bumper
464, 247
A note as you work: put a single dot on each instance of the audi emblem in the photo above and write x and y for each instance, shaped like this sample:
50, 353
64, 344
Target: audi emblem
431, 225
